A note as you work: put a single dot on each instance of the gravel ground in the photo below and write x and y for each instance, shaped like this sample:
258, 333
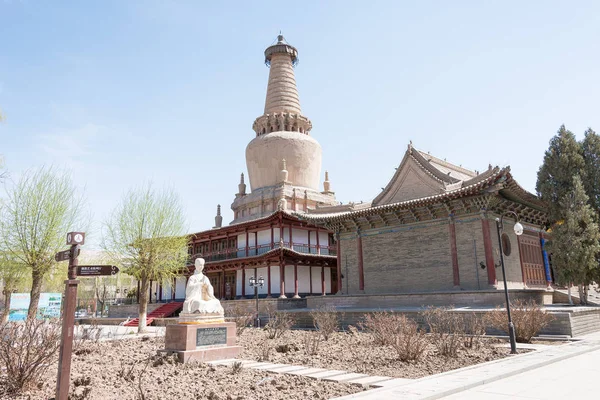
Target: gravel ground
126, 369
356, 353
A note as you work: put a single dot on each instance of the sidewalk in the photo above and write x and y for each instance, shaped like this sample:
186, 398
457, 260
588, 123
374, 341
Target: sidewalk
572, 378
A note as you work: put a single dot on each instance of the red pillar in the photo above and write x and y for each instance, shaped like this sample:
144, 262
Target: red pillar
244, 281
309, 241
291, 242
339, 263
310, 278
296, 295
318, 245
174, 288
272, 237
269, 277
282, 280
223, 284
159, 293
489, 255
256, 243
361, 273
247, 242
323, 281
454, 252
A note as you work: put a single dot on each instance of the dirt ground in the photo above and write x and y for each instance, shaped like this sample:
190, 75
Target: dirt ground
356, 353
131, 369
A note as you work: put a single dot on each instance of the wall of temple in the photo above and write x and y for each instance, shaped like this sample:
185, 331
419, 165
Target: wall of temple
418, 257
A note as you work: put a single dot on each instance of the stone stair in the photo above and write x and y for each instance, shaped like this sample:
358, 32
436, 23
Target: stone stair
164, 311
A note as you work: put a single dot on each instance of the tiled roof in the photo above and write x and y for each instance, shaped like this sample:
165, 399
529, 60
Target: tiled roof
472, 187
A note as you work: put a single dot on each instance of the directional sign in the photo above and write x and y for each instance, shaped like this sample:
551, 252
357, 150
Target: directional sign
96, 270
66, 255
76, 238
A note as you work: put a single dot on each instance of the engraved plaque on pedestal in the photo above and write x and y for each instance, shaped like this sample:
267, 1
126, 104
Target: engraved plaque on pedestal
211, 336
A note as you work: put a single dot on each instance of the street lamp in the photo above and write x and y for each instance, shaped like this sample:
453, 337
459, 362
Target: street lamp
518, 228
256, 283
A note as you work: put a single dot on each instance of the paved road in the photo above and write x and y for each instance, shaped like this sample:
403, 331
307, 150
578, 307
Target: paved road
575, 377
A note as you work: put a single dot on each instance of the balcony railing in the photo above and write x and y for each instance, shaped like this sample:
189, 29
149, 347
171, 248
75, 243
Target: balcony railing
240, 252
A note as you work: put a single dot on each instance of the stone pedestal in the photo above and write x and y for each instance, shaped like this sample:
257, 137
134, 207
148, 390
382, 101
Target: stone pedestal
202, 342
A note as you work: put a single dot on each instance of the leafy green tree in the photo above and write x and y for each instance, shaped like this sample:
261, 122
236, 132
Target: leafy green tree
591, 155
145, 236
562, 161
38, 212
576, 240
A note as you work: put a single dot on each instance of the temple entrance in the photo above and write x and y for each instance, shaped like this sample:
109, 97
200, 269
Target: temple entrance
230, 285
215, 281
532, 261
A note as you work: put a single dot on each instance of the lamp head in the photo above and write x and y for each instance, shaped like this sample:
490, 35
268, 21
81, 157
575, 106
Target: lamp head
251, 281
518, 229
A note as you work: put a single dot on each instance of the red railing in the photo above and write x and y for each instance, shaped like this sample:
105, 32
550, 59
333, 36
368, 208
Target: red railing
240, 252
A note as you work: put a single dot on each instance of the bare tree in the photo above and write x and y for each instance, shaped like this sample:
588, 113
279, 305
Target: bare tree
39, 210
145, 236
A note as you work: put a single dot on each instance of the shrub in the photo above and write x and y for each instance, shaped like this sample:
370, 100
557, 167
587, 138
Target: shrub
265, 350
241, 316
279, 323
326, 320
236, 367
528, 319
26, 350
383, 326
447, 329
474, 329
311, 343
409, 341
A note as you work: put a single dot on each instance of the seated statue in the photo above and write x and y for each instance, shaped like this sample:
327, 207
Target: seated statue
200, 304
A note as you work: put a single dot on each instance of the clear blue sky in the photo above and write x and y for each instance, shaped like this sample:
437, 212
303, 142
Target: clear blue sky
123, 92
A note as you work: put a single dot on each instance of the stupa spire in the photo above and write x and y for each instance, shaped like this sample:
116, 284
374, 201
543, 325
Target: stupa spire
282, 105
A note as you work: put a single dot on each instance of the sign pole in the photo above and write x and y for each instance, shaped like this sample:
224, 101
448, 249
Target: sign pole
66, 345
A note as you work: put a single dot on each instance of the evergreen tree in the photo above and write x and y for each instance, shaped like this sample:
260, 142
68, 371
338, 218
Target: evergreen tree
562, 161
575, 239
591, 156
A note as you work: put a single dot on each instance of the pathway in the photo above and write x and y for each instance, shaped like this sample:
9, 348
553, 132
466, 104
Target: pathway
320, 373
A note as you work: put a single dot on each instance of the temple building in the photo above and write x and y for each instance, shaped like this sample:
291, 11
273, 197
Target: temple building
431, 229
294, 257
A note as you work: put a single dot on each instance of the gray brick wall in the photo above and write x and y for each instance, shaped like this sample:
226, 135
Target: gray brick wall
469, 242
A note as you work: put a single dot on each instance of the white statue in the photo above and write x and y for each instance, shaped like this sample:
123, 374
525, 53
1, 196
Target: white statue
200, 304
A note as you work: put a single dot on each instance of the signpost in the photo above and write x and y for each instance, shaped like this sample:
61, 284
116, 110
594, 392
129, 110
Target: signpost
75, 240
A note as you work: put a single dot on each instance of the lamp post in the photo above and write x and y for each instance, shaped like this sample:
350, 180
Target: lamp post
256, 283
518, 228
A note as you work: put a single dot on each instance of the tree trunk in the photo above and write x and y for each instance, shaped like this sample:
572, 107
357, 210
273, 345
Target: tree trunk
34, 298
6, 313
143, 306
585, 293
582, 299
569, 294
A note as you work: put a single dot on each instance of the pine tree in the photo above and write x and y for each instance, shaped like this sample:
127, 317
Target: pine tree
562, 161
575, 239
591, 156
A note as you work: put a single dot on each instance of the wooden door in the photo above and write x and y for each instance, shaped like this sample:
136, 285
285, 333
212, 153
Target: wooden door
215, 281
532, 260
230, 285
